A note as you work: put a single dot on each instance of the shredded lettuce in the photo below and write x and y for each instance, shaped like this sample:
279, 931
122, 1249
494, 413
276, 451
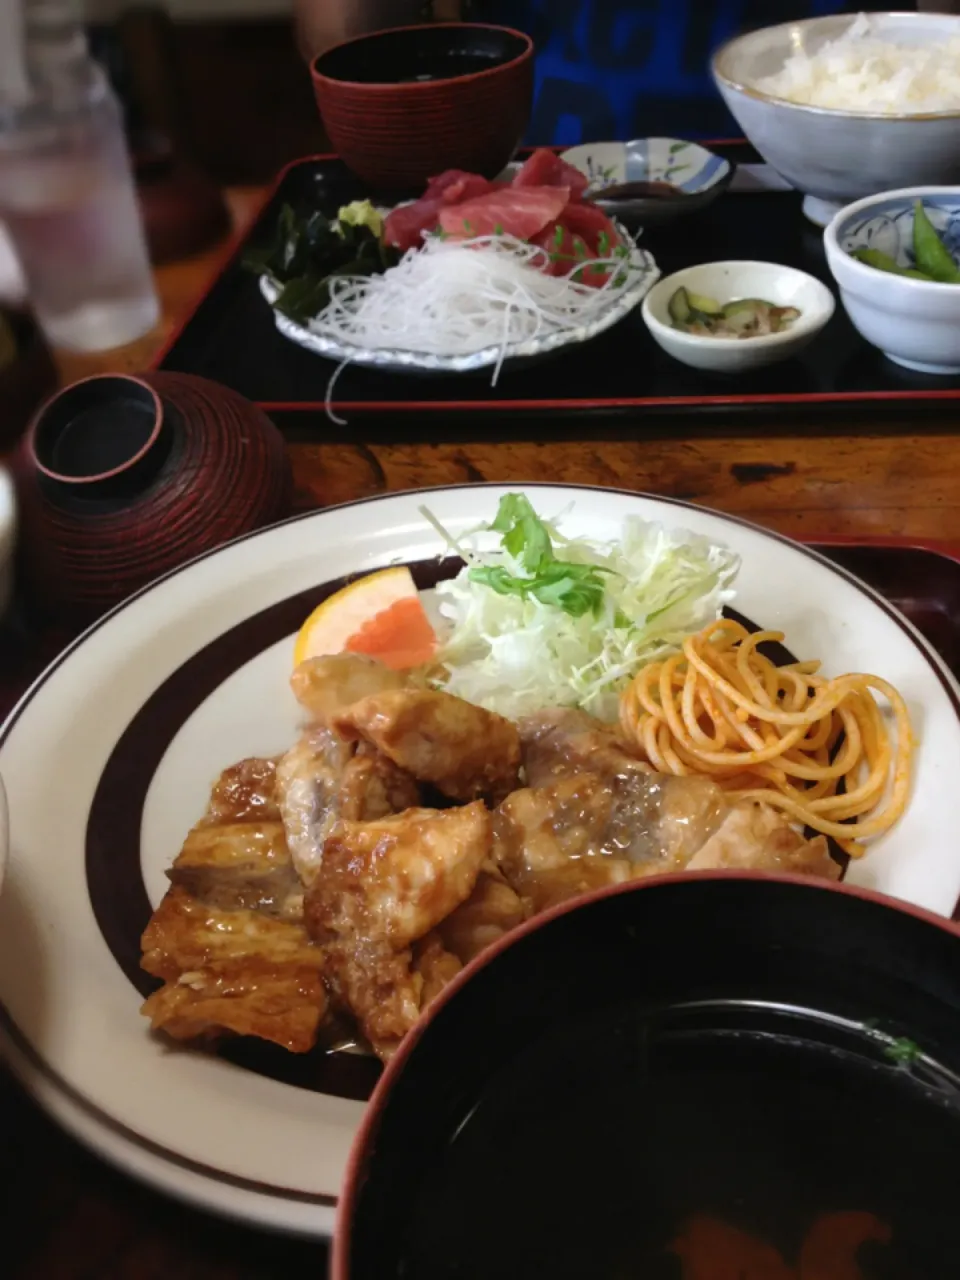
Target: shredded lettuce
549, 621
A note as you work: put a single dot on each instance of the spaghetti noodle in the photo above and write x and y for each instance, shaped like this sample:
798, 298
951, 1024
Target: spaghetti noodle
817, 748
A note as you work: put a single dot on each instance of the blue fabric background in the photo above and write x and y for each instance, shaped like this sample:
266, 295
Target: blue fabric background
610, 69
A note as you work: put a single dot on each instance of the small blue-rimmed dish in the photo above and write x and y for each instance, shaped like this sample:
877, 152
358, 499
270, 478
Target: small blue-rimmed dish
698, 175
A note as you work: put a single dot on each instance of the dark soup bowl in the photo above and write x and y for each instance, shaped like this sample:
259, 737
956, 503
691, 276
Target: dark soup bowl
696, 1077
400, 106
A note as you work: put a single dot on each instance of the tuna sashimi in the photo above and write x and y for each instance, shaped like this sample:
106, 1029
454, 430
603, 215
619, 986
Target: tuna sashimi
521, 213
405, 225
565, 249
455, 185
593, 226
545, 169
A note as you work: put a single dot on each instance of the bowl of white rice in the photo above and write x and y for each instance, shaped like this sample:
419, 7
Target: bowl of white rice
847, 106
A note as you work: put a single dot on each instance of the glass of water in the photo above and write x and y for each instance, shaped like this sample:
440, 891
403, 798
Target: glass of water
69, 202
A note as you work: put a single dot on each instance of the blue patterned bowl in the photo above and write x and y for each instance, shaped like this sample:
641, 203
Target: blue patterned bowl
915, 323
694, 170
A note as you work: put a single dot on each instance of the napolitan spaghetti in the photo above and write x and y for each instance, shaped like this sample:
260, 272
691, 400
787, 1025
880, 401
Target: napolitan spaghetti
785, 736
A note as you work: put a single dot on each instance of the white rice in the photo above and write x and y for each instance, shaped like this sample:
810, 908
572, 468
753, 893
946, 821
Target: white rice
859, 72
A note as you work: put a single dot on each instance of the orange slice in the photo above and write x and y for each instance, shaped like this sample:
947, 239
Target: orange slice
380, 615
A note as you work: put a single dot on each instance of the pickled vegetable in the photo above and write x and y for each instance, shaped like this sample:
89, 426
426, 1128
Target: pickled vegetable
706, 306
932, 255
681, 312
739, 318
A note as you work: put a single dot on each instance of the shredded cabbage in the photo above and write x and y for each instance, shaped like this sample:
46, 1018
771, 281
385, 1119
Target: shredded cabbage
512, 652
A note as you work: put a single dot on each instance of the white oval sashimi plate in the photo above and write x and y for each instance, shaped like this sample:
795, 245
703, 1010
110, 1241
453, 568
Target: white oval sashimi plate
109, 758
309, 335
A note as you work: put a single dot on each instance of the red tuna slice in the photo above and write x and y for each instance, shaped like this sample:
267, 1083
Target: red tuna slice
518, 213
592, 224
404, 226
565, 250
456, 186
545, 169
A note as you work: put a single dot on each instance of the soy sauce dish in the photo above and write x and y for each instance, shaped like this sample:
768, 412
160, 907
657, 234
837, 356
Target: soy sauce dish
695, 1075
719, 284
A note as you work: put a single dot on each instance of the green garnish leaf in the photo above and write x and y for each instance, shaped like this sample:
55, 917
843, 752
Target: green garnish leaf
603, 244
903, 1051
558, 234
575, 588
525, 535
498, 229
468, 226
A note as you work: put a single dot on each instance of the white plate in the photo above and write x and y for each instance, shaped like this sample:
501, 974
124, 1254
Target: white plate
309, 336
109, 757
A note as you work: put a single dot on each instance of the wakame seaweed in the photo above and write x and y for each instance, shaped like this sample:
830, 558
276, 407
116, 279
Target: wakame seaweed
306, 249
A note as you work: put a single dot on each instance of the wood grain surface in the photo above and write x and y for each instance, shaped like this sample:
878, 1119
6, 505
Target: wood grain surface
67, 1216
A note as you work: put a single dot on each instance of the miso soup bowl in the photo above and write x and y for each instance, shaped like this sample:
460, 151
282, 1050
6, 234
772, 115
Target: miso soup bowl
402, 105
763, 1058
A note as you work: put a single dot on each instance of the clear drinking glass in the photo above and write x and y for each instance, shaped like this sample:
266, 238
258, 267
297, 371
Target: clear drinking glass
68, 200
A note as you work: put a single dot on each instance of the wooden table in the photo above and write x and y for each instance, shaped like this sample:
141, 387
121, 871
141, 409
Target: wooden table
66, 1216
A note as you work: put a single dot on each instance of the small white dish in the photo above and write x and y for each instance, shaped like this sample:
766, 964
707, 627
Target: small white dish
915, 323
698, 173
727, 281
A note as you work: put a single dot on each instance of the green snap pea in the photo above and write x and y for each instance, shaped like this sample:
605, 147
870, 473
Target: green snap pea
884, 262
931, 253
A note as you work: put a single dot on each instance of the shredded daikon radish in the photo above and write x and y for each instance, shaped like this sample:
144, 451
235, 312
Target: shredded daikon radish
456, 297
860, 72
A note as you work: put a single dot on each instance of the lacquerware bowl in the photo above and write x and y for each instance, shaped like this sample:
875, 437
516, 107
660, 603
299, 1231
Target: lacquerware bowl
915, 323
402, 105
724, 281
834, 156
699, 174
125, 478
719, 1064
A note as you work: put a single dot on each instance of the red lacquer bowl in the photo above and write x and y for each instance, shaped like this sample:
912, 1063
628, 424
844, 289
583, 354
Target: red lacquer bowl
402, 105
122, 479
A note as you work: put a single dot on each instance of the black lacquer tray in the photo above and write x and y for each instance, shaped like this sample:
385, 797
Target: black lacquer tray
621, 375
